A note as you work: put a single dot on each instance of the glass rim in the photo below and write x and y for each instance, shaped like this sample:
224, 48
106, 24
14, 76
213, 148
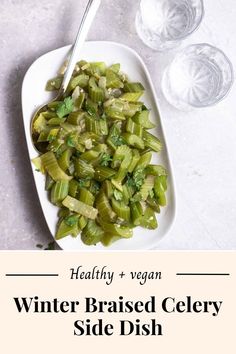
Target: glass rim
195, 28
228, 61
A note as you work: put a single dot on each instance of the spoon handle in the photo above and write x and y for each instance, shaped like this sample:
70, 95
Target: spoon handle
89, 14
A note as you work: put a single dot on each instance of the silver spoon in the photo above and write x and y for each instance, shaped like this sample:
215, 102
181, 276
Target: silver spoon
89, 14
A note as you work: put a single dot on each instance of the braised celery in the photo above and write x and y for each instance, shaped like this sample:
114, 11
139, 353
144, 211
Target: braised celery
97, 156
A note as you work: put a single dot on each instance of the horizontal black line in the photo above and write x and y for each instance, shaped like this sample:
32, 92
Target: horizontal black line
219, 274
31, 275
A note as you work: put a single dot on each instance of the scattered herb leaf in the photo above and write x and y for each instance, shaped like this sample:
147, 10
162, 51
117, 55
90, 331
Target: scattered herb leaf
138, 178
50, 246
65, 107
71, 220
39, 246
106, 158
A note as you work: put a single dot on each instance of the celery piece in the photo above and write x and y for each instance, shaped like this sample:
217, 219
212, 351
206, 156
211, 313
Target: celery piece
102, 173
80, 208
133, 128
115, 68
131, 96
104, 208
70, 128
96, 93
78, 101
134, 161
131, 108
114, 114
142, 118
79, 80
89, 156
50, 164
149, 220
123, 154
133, 87
82, 222
43, 136
83, 169
156, 170
86, 196
73, 188
76, 117
54, 84
147, 186
98, 67
152, 202
108, 189
49, 182
133, 140
128, 192
136, 213
121, 210
152, 141
116, 229
52, 134
63, 213
92, 233
96, 126
64, 159
144, 161
59, 191
64, 230
113, 80
92, 108
55, 145
163, 181
117, 184
39, 124
55, 121
49, 114
159, 190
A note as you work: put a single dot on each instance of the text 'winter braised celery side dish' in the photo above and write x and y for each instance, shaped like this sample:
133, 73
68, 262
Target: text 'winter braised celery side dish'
96, 154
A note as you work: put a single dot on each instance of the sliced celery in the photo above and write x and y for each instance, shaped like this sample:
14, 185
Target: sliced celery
92, 233
102, 173
80, 208
121, 210
133, 140
51, 166
83, 169
86, 196
142, 118
149, 220
104, 208
151, 141
64, 230
59, 191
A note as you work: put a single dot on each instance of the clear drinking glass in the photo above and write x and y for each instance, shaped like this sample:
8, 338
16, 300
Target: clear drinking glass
163, 24
199, 76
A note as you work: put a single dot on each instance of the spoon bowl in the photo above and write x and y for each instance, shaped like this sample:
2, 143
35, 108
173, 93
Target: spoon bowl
89, 14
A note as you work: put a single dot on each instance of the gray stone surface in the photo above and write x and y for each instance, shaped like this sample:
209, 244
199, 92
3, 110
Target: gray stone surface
202, 144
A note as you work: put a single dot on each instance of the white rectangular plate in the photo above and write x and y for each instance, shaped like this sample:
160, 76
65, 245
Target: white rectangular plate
34, 95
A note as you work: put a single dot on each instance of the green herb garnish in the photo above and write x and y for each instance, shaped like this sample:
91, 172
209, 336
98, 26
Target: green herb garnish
64, 108
106, 159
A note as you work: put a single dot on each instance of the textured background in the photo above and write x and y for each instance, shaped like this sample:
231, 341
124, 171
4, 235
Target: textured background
202, 144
